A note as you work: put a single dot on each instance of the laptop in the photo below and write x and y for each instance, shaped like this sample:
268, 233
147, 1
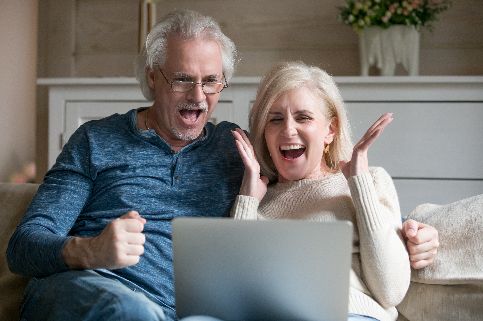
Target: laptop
262, 270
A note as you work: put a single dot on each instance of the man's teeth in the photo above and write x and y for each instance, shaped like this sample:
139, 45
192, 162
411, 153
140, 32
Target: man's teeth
291, 147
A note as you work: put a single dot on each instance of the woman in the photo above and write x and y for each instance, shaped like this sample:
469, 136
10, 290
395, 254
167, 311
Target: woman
301, 139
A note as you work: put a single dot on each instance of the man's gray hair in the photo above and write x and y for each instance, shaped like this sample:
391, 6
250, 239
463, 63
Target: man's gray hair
187, 24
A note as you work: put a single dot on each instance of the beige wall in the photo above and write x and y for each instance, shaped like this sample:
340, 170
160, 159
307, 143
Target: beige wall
18, 54
90, 38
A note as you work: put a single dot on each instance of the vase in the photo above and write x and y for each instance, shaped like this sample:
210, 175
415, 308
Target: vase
385, 48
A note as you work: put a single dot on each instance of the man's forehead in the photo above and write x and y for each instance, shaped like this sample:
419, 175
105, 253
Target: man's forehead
191, 45
193, 57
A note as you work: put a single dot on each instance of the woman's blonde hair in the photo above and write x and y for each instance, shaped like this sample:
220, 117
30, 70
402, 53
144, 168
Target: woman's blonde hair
287, 76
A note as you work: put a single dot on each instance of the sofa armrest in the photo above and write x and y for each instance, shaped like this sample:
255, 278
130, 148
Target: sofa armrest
14, 200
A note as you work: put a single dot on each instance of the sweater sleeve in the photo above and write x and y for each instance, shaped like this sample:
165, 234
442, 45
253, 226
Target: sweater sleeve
245, 208
35, 248
384, 258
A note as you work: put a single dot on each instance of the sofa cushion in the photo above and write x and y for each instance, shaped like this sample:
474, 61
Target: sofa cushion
14, 200
435, 302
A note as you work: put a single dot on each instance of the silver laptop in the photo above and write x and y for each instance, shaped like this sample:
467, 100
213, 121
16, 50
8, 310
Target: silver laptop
262, 270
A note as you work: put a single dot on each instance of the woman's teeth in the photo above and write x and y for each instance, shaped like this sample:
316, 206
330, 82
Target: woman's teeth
292, 151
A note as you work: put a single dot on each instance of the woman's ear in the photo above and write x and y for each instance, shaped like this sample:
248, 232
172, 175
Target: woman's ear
329, 138
150, 77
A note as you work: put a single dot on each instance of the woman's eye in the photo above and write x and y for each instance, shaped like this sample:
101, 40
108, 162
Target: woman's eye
303, 118
275, 120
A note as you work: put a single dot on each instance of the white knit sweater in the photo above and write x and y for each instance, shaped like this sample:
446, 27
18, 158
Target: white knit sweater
380, 272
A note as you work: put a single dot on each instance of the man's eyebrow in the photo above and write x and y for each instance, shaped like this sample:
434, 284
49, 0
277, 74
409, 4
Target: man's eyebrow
181, 75
188, 76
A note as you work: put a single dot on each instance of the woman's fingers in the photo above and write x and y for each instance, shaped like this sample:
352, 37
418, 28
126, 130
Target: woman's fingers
241, 150
374, 131
359, 162
380, 120
245, 150
242, 138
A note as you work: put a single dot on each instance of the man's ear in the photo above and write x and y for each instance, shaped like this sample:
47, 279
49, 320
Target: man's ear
150, 77
329, 138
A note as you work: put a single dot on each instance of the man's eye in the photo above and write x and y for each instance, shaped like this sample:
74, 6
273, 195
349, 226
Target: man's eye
211, 81
182, 79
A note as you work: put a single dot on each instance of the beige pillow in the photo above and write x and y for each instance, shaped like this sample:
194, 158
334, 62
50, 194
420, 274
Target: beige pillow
460, 255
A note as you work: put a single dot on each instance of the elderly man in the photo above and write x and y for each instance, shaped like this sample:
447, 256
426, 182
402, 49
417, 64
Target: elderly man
97, 236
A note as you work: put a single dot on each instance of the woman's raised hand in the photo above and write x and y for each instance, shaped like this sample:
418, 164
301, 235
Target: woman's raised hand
253, 184
359, 162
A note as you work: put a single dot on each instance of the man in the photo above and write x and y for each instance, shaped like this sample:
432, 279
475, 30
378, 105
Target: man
97, 236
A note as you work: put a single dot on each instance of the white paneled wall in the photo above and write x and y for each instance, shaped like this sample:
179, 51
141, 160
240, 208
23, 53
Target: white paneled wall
433, 149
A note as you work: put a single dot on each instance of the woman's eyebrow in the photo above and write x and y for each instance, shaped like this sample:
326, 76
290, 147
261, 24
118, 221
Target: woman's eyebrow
304, 111
274, 113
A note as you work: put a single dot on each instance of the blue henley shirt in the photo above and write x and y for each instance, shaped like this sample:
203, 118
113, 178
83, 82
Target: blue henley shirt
110, 167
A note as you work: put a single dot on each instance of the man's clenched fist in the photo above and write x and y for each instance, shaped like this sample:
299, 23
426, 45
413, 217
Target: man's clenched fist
119, 245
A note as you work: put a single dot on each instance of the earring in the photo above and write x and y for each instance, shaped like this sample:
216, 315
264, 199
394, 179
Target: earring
326, 149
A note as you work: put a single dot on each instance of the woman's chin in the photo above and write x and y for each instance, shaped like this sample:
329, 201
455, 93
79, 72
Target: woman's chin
291, 177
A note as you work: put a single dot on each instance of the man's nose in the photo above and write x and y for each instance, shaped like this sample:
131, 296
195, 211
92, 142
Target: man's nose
196, 93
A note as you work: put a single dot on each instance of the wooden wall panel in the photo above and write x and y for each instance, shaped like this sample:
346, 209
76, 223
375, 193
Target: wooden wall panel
99, 38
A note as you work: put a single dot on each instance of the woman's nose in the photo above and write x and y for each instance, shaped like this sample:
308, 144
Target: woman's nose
289, 128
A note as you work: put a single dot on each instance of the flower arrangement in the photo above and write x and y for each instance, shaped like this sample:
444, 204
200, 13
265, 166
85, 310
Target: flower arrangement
361, 14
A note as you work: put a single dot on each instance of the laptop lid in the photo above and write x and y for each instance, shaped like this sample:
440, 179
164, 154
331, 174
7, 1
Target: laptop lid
262, 270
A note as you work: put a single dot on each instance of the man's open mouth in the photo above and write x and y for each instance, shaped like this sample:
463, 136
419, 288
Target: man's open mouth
190, 113
292, 151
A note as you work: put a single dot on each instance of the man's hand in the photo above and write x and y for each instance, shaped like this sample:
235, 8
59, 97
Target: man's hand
422, 243
119, 245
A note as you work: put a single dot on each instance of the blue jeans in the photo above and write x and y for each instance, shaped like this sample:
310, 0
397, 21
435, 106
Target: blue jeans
88, 296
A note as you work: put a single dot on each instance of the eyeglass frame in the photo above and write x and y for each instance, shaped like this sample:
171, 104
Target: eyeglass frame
170, 83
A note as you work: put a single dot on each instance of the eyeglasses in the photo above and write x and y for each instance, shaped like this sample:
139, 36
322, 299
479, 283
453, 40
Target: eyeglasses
208, 87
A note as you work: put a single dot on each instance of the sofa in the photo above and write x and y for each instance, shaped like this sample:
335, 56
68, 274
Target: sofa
450, 289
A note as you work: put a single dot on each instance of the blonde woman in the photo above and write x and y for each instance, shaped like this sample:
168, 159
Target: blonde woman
301, 145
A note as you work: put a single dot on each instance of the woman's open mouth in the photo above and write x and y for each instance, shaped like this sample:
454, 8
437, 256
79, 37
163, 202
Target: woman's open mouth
292, 151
